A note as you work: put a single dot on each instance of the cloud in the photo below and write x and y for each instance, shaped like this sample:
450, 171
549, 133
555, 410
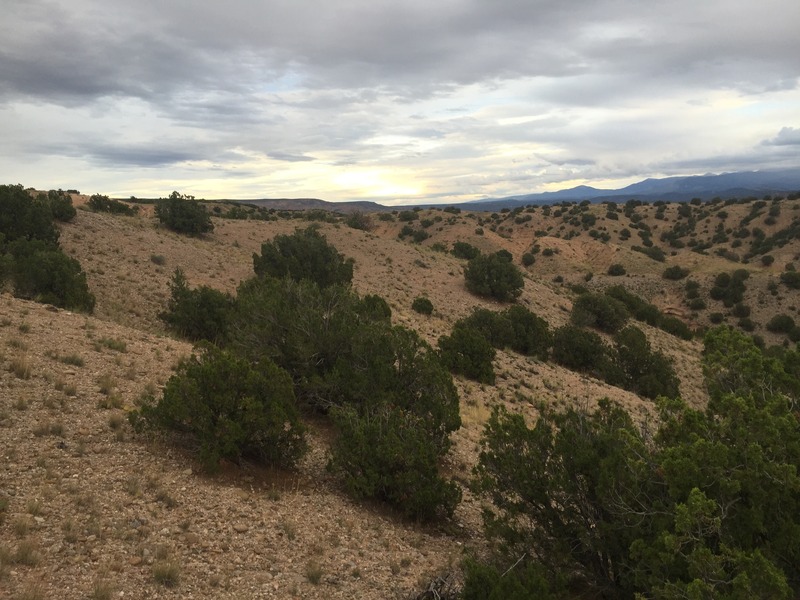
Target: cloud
787, 136
486, 95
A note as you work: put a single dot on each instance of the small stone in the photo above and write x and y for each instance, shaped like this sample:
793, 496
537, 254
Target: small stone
240, 528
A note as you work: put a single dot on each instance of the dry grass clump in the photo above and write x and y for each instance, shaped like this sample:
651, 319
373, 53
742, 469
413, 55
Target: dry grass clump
167, 573
21, 367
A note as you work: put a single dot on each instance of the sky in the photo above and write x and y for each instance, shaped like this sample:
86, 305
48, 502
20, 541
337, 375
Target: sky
398, 102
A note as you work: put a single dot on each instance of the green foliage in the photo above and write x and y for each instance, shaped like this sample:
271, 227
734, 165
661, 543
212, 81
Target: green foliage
791, 279
708, 506
649, 313
388, 392
674, 326
653, 252
528, 258
422, 305
780, 324
306, 254
60, 204
587, 462
374, 308
530, 333
384, 452
647, 373
729, 287
100, 203
493, 326
580, 350
525, 581
359, 220
407, 216
675, 272
23, 217
197, 314
29, 251
231, 409
616, 269
44, 273
493, 276
465, 351
599, 310
639, 308
465, 250
184, 214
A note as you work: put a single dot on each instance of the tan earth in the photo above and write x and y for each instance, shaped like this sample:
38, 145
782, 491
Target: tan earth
95, 511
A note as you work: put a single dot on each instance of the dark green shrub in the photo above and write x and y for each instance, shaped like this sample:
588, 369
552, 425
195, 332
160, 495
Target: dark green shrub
407, 216
791, 279
374, 308
531, 334
197, 314
616, 269
358, 220
675, 272
407, 230
465, 250
184, 214
384, 452
505, 255
639, 308
528, 259
306, 254
653, 252
494, 326
716, 318
23, 217
599, 310
740, 310
232, 410
60, 204
100, 203
524, 581
42, 272
647, 373
579, 349
675, 326
422, 305
780, 324
420, 235
584, 460
697, 304
494, 277
767, 260
747, 324
466, 352
729, 288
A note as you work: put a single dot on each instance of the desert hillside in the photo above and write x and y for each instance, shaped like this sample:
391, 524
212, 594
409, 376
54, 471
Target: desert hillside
93, 510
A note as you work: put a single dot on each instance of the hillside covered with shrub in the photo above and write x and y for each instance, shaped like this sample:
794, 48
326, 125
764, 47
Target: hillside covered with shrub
558, 401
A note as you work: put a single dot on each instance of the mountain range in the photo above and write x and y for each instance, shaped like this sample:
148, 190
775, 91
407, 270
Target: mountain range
677, 189
740, 184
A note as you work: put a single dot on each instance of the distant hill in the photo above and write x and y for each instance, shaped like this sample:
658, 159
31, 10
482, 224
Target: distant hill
675, 189
315, 203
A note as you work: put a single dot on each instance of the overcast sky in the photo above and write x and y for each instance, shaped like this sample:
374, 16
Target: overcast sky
395, 101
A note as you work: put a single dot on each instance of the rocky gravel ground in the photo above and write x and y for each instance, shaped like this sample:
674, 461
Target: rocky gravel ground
90, 510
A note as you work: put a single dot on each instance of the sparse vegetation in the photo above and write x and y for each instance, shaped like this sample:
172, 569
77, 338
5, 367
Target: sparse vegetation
677, 500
